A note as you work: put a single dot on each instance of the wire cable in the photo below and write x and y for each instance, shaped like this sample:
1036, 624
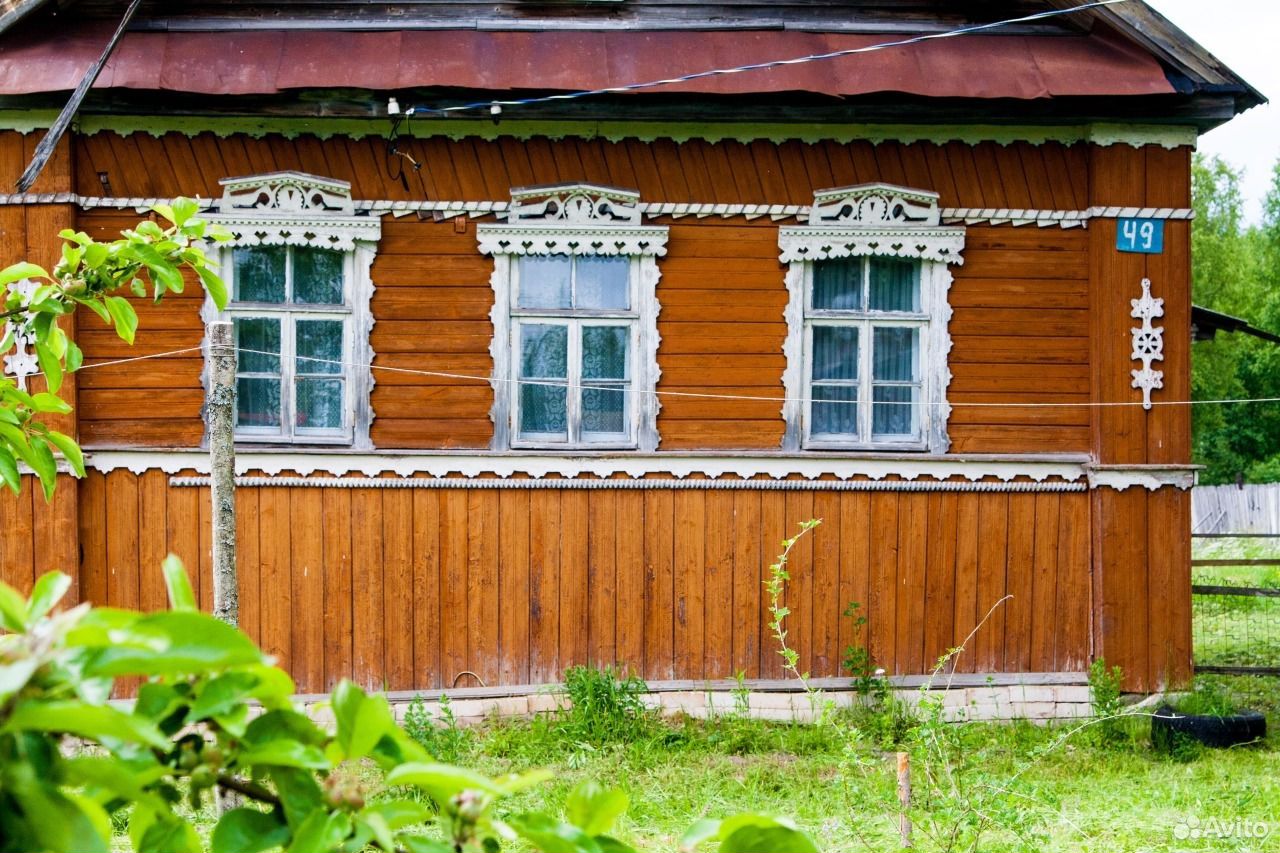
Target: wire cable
495, 106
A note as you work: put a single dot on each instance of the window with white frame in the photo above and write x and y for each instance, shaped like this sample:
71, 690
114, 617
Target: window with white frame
297, 271
867, 321
574, 316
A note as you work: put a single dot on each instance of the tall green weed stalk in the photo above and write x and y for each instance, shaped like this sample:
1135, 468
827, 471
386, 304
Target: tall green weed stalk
776, 587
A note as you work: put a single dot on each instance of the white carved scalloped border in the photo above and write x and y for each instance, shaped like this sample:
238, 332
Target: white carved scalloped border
1150, 477
677, 465
316, 230
635, 240
813, 244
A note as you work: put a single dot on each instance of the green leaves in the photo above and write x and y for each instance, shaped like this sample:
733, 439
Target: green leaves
95, 723
595, 808
123, 316
216, 288
47, 592
248, 831
171, 643
19, 271
749, 833
181, 596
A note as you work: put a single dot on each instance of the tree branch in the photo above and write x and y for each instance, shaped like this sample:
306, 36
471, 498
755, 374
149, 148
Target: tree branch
248, 789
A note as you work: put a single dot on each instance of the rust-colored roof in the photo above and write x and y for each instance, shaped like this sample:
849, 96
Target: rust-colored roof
273, 61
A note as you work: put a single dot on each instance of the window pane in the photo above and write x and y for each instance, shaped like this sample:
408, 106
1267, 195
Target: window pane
891, 412
835, 410
318, 276
543, 410
604, 352
320, 403
895, 285
835, 352
544, 281
837, 284
603, 282
319, 346
257, 402
259, 274
256, 339
604, 411
544, 350
896, 354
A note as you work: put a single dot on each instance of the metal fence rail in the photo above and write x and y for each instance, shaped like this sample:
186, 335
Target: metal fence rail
1236, 622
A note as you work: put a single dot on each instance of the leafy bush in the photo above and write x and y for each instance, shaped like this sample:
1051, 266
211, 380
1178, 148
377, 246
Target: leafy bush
74, 767
442, 737
606, 706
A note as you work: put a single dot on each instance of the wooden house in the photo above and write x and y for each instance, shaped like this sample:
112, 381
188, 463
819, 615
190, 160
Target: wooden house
536, 384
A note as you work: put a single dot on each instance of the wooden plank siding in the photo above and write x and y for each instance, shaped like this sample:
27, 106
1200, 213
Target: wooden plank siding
1020, 335
410, 589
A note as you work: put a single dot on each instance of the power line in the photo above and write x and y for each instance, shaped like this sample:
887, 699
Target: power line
495, 106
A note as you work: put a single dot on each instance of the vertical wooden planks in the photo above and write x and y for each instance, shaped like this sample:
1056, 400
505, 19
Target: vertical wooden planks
544, 585
1044, 582
940, 577
513, 585
882, 599
718, 615
93, 536
397, 590
453, 584
993, 537
827, 604
1169, 600
17, 546
153, 487
966, 602
659, 584
276, 586
306, 577
122, 537
338, 610
1020, 568
1075, 585
913, 536
483, 584
773, 529
748, 563
368, 659
631, 580
602, 586
855, 566
247, 559
574, 647
799, 589
690, 524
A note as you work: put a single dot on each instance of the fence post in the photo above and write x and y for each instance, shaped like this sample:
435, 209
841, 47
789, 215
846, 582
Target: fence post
904, 799
221, 410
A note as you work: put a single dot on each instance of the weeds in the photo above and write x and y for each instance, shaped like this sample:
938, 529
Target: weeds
447, 741
606, 707
776, 587
1104, 692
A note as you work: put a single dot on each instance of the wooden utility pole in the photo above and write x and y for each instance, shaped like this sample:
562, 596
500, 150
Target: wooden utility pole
221, 413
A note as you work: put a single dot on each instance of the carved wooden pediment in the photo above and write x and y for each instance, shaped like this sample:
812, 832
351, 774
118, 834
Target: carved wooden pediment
874, 206
292, 192
292, 209
574, 204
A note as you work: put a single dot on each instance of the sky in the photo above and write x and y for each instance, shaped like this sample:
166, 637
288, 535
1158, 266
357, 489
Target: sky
1242, 33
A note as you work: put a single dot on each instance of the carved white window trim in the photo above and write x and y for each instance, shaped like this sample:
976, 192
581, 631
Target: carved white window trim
872, 220
576, 219
297, 209
1148, 343
21, 361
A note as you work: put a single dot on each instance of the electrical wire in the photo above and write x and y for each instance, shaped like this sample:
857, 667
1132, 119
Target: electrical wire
495, 106
612, 386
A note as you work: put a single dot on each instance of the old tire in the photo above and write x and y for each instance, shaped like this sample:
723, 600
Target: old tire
1168, 727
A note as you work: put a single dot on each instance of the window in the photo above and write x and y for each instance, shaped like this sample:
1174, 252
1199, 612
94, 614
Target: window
297, 268
867, 321
575, 320
862, 335
291, 315
574, 333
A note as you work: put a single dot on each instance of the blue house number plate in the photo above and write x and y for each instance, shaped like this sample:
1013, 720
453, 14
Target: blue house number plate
1140, 235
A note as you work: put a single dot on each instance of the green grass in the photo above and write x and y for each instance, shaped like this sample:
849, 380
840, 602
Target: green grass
839, 784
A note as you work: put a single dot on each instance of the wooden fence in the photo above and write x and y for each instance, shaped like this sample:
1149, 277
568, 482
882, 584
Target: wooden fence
1236, 509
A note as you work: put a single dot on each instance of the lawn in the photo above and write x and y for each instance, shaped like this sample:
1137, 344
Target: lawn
838, 782
1233, 630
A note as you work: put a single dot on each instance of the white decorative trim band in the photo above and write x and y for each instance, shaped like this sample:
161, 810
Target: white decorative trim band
779, 466
1150, 477
674, 210
632, 240
818, 244
641, 484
